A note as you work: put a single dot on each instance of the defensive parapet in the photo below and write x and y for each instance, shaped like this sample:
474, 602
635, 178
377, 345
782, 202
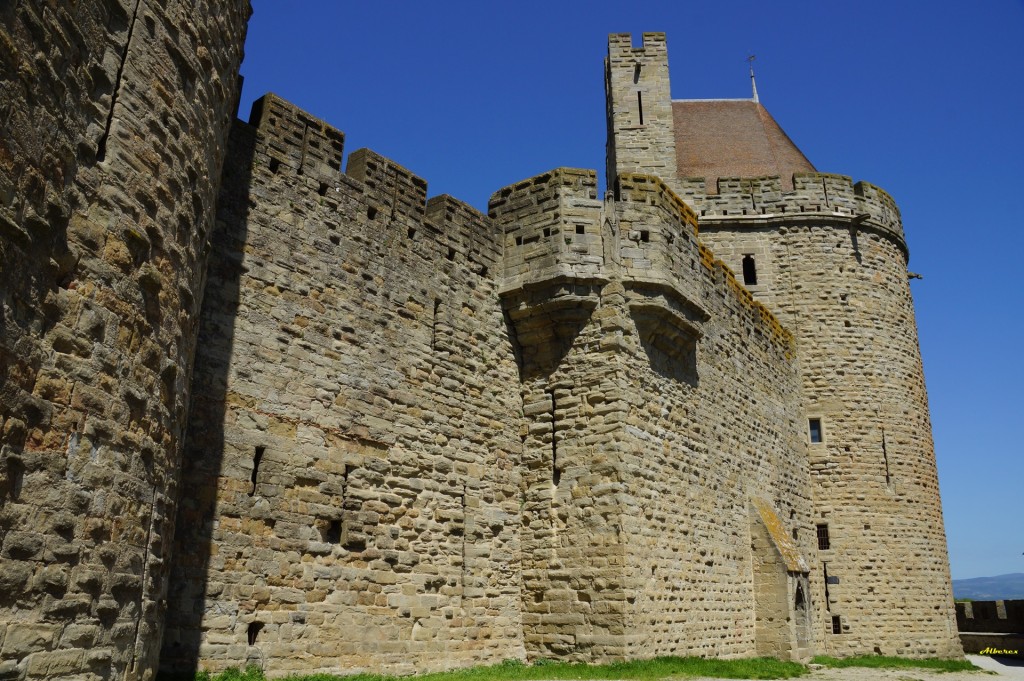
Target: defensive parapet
304, 144
554, 258
761, 200
291, 142
552, 228
562, 245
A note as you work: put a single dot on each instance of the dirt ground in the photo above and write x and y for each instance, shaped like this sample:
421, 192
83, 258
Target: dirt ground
993, 668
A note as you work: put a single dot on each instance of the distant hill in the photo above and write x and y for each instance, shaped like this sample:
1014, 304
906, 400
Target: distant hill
1000, 587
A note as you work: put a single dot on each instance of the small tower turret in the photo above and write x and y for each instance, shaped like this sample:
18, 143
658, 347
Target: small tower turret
641, 136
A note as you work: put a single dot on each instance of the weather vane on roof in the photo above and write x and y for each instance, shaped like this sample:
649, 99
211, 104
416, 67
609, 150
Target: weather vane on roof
753, 83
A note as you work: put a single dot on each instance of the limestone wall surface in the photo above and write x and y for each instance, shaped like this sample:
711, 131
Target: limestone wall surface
658, 400
352, 468
115, 114
841, 287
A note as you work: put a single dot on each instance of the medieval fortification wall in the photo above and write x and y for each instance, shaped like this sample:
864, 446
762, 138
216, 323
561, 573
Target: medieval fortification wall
416, 436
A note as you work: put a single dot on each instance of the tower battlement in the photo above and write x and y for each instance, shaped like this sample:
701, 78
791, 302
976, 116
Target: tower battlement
551, 226
654, 45
815, 195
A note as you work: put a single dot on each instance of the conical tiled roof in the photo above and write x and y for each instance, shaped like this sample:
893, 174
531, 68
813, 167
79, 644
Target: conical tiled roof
733, 138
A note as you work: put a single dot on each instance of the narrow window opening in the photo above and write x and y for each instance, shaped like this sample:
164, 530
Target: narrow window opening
253, 631
349, 543
519, 241
257, 457
640, 106
824, 543
824, 572
411, 233
645, 236
814, 425
556, 472
580, 229
15, 478
885, 457
305, 145
464, 523
322, 191
451, 253
274, 165
636, 73
547, 232
749, 270
799, 603
371, 212
837, 624
433, 328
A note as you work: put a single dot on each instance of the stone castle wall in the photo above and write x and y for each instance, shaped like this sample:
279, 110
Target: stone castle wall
115, 114
353, 454
422, 437
419, 437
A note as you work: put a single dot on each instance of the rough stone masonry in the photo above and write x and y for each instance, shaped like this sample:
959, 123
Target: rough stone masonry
255, 409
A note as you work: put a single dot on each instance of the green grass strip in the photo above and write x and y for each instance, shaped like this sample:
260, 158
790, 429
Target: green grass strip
880, 661
514, 670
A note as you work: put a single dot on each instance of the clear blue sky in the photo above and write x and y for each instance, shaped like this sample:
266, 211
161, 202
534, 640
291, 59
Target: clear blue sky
922, 98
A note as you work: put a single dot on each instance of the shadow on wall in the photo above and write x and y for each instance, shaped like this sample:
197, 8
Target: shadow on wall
204, 443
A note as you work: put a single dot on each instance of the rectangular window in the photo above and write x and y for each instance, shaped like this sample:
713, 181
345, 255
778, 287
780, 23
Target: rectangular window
837, 624
815, 428
823, 540
749, 270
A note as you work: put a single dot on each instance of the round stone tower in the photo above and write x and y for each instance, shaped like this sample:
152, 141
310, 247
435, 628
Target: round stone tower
829, 258
111, 144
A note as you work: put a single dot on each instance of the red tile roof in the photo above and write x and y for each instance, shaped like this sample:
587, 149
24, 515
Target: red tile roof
733, 138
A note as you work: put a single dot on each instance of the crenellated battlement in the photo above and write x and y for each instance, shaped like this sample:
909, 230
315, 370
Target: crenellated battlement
552, 227
292, 144
301, 143
391, 186
467, 234
759, 199
657, 242
654, 45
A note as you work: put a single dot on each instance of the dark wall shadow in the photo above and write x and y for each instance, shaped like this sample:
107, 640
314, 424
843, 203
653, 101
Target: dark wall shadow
204, 439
